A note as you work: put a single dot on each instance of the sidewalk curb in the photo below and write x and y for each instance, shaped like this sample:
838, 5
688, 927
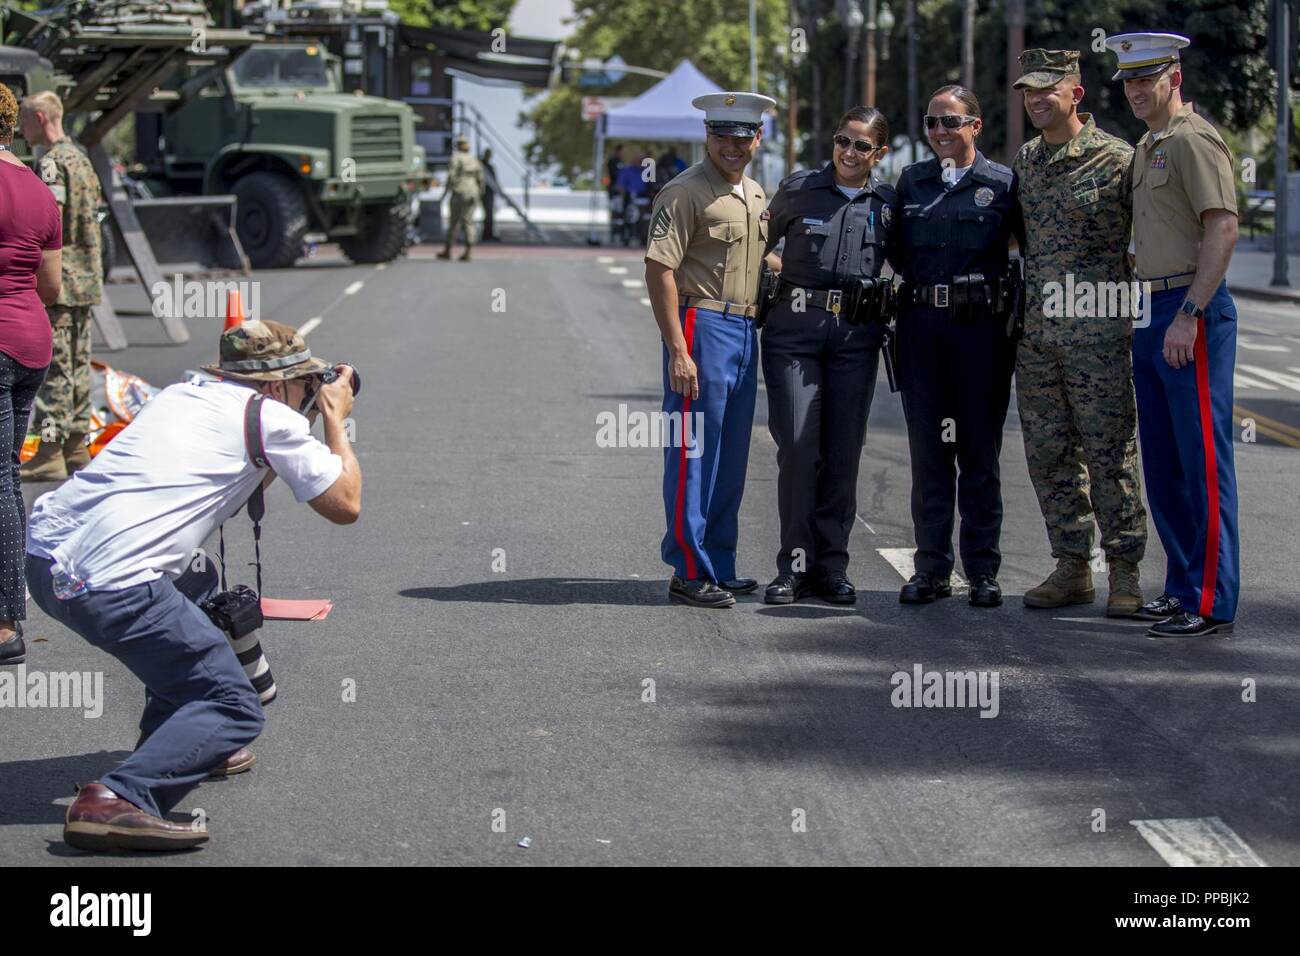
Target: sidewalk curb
1265, 294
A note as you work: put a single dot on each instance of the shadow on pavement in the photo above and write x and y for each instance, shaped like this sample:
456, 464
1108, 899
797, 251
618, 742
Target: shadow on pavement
28, 788
628, 592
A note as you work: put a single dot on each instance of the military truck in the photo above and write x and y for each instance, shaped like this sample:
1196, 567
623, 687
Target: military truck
275, 129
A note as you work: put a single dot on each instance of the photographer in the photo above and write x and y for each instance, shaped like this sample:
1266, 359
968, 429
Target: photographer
110, 555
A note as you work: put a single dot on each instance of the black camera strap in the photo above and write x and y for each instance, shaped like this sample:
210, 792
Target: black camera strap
256, 503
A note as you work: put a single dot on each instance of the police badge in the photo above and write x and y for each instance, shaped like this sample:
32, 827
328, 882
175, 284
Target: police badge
886, 216
983, 196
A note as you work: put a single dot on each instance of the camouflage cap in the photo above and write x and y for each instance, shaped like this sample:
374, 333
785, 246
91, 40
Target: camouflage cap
1041, 69
259, 351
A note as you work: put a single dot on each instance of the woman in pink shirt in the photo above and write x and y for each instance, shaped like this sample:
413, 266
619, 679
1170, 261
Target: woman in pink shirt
31, 240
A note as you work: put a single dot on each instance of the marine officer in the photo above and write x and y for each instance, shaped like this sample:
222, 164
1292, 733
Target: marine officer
1185, 347
1074, 379
820, 356
707, 239
955, 356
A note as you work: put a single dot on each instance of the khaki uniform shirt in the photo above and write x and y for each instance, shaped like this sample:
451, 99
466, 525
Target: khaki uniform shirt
465, 176
1077, 219
711, 238
1178, 175
71, 178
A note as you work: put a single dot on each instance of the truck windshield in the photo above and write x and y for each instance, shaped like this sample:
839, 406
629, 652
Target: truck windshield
293, 68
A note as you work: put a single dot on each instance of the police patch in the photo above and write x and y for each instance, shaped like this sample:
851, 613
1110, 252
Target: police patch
983, 196
659, 225
886, 216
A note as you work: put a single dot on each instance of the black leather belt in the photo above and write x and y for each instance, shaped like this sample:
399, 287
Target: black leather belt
940, 296
832, 300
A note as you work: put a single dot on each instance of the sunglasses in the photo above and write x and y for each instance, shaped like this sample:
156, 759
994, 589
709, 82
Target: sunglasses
949, 121
860, 145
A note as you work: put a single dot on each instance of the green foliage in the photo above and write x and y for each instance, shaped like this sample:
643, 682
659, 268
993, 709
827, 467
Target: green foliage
457, 14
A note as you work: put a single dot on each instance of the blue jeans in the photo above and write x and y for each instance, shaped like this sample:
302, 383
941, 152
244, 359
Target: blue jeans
199, 704
18, 387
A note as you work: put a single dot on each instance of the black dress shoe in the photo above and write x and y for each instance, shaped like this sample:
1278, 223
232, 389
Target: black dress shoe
14, 651
787, 588
922, 588
834, 587
985, 591
699, 592
740, 585
1161, 609
1187, 624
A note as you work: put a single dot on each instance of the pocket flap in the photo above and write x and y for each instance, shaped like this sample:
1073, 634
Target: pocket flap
727, 231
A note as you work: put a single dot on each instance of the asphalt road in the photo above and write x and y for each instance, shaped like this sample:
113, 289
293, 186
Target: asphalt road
521, 690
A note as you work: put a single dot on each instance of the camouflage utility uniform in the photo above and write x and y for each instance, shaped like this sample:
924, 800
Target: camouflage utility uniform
1074, 376
465, 180
62, 411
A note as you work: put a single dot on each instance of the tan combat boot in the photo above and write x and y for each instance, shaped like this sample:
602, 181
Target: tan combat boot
47, 465
1125, 593
76, 454
1070, 583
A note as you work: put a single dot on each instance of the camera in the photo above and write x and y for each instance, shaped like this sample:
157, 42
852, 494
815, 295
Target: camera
332, 375
238, 612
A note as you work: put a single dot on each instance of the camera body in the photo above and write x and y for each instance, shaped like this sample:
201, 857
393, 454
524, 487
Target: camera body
332, 375
238, 611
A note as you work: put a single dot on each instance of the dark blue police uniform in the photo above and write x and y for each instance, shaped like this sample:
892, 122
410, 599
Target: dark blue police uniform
955, 356
819, 368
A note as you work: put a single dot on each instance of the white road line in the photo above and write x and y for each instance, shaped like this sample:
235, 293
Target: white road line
864, 522
633, 284
1280, 378
903, 560
381, 267
1244, 381
308, 327
1197, 841
354, 288
618, 270
644, 301
604, 260
1245, 343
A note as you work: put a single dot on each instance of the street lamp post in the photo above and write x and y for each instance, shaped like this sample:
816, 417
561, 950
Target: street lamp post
869, 71
913, 106
853, 23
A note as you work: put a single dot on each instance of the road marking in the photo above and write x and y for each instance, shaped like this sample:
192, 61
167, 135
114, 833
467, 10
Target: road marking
1278, 431
308, 327
903, 560
645, 302
618, 270
1242, 381
864, 522
381, 267
1197, 841
1280, 378
632, 283
604, 260
354, 288
1258, 347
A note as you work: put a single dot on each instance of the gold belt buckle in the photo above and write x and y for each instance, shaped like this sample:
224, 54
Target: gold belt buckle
833, 301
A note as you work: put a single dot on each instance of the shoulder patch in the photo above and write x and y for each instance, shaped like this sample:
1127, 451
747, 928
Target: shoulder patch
661, 223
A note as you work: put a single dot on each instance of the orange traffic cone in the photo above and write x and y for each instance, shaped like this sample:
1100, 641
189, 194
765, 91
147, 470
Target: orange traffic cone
234, 311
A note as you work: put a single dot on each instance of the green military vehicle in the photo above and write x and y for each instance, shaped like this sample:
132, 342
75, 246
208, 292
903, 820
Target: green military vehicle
275, 129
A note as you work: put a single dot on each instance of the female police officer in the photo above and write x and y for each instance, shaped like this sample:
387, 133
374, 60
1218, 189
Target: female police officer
820, 353
955, 353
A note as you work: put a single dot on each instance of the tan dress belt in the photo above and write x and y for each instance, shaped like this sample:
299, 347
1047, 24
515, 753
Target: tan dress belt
716, 305
1180, 281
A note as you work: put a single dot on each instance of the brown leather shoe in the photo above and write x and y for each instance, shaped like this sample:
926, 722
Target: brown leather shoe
240, 761
101, 820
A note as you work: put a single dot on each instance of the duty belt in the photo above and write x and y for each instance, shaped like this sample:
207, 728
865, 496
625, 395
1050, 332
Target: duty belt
940, 296
1163, 284
716, 305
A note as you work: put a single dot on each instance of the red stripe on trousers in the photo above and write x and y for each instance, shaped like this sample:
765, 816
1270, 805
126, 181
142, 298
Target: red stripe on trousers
679, 508
1211, 572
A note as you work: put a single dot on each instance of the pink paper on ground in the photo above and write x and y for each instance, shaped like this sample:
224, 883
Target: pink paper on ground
283, 609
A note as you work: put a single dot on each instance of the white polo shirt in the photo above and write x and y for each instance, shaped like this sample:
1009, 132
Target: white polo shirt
164, 484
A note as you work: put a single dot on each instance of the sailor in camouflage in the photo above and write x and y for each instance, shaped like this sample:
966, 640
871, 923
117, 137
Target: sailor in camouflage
62, 411
465, 183
1074, 368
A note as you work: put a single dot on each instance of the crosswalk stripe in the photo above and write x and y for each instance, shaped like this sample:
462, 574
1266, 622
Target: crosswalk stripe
1197, 841
632, 283
618, 270
1245, 343
1280, 378
903, 560
1244, 381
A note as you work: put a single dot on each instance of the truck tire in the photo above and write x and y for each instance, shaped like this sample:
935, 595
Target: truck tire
383, 234
270, 219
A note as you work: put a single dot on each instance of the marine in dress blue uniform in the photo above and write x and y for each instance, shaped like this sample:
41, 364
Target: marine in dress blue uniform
1184, 350
707, 229
955, 361
820, 368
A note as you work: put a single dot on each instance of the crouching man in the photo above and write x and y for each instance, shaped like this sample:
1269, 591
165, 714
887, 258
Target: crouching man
109, 555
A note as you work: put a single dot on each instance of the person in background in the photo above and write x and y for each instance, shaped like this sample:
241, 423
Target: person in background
63, 403
465, 183
31, 276
489, 198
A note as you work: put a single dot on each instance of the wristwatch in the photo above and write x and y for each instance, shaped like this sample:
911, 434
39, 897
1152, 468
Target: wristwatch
1189, 308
